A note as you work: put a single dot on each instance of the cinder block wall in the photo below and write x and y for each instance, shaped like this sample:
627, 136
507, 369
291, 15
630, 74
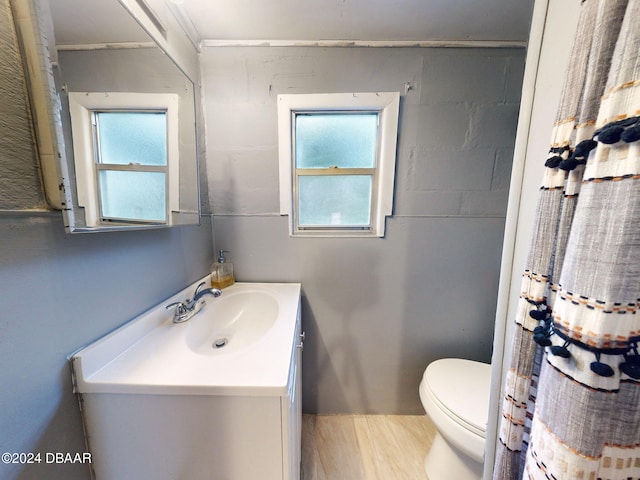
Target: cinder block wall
376, 311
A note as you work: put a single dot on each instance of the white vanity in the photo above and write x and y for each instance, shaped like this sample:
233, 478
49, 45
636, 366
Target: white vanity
216, 397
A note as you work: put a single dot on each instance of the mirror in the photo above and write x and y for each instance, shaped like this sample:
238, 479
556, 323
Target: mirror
119, 57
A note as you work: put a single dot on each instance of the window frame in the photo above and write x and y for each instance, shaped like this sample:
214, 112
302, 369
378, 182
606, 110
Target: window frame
386, 106
82, 108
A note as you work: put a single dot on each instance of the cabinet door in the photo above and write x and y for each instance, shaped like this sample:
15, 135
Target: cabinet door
292, 414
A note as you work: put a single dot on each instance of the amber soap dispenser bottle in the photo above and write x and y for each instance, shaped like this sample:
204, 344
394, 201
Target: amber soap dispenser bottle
222, 272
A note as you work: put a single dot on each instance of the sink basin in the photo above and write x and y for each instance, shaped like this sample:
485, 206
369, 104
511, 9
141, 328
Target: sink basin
240, 343
231, 322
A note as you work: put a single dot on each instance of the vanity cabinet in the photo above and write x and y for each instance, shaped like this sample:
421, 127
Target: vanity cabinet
247, 428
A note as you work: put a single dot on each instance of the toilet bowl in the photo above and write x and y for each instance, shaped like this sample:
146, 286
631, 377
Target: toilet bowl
455, 395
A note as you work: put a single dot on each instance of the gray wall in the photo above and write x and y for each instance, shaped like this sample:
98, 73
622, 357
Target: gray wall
60, 292
376, 311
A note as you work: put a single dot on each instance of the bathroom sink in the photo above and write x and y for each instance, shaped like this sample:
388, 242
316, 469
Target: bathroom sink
216, 396
231, 322
240, 343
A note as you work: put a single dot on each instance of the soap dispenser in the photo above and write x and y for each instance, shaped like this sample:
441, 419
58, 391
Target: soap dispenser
222, 272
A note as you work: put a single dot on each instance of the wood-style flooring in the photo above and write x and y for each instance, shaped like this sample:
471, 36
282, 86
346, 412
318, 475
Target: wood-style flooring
365, 447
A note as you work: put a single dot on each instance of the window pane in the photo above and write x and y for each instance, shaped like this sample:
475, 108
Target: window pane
132, 137
334, 200
133, 195
342, 140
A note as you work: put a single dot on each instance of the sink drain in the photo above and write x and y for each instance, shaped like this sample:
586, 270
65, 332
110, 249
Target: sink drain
221, 342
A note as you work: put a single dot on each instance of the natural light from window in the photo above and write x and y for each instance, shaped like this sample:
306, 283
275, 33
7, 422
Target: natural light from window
126, 155
132, 165
337, 162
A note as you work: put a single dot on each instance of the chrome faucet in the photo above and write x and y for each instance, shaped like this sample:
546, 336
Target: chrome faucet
187, 309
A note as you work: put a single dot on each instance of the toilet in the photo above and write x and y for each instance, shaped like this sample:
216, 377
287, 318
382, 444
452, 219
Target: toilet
455, 395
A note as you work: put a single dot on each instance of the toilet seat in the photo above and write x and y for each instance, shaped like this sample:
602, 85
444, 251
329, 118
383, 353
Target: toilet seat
460, 388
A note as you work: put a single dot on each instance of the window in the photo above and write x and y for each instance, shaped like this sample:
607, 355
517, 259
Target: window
337, 162
126, 156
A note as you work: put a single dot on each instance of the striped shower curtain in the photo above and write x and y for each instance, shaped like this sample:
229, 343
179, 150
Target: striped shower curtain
571, 407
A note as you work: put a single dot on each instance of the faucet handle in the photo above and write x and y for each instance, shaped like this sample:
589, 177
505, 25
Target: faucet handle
181, 313
180, 307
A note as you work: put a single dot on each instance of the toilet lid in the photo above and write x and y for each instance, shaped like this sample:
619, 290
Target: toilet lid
462, 389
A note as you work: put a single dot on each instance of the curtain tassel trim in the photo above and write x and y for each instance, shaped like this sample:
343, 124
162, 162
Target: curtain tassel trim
565, 158
545, 330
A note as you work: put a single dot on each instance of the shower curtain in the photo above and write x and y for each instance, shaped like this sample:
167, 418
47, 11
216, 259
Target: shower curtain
571, 405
